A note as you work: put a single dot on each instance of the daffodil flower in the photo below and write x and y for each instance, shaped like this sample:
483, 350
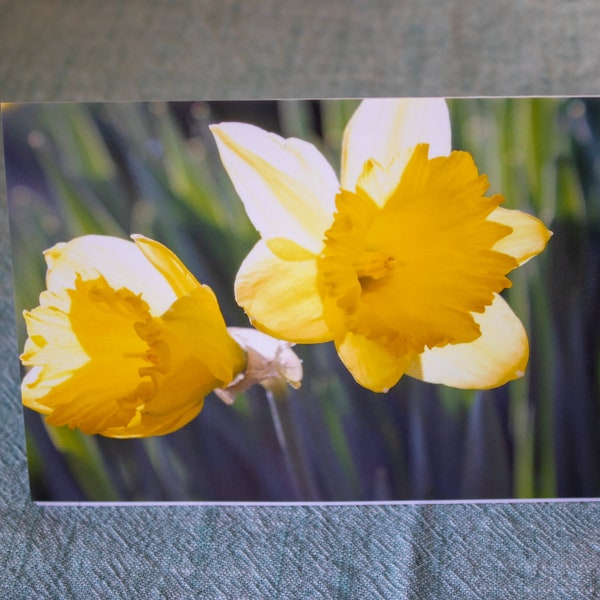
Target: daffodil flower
126, 342
400, 262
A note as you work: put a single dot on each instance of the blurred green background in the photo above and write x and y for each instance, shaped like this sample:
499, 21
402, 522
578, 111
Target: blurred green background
124, 168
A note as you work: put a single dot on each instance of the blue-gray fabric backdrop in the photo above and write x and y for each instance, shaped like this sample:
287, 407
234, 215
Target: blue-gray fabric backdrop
212, 49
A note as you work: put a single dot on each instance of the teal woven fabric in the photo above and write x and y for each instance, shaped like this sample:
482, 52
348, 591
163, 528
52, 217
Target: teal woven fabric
227, 48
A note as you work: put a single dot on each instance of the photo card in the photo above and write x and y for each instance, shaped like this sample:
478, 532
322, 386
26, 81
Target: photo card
372, 300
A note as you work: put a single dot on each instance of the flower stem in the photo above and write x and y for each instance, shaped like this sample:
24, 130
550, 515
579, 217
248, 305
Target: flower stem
277, 396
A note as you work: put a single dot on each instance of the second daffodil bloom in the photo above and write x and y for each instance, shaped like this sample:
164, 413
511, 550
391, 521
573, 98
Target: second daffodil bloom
400, 262
126, 342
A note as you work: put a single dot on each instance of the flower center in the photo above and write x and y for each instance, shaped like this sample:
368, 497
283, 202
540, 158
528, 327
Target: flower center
409, 269
373, 264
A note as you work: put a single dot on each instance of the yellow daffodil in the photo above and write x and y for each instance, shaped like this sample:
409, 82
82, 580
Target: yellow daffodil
126, 342
400, 262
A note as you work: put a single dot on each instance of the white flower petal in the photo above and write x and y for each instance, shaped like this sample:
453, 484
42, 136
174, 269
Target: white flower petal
120, 262
528, 238
287, 186
281, 297
371, 365
499, 355
380, 128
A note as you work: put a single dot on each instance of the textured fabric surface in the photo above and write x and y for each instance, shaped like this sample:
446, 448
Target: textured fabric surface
230, 49
212, 49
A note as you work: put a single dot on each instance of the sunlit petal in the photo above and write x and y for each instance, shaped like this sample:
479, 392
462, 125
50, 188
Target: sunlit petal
167, 264
371, 365
281, 296
120, 262
380, 183
528, 238
284, 184
499, 355
380, 128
